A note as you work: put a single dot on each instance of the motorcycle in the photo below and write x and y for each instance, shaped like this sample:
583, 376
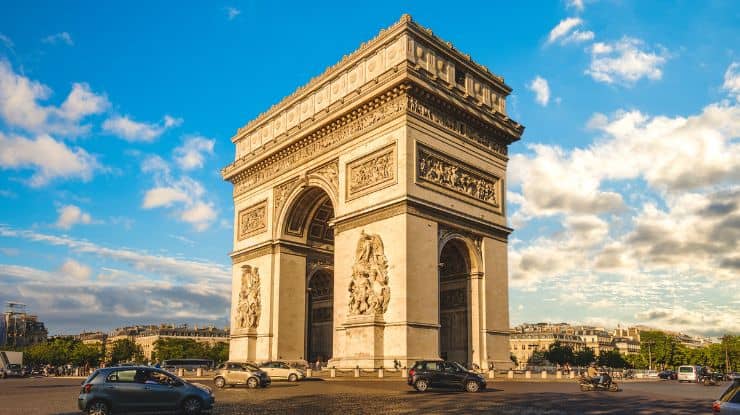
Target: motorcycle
707, 380
588, 384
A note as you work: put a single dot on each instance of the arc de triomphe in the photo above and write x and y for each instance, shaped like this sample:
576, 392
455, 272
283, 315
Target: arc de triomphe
370, 223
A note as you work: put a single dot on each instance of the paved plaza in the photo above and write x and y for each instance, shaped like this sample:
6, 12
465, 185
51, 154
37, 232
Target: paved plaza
58, 396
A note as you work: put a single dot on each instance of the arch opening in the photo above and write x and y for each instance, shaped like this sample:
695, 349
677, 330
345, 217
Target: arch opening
454, 302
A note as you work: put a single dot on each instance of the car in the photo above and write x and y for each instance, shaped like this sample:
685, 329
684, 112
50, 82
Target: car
668, 375
238, 373
427, 374
688, 373
13, 370
127, 389
729, 400
651, 374
281, 370
733, 375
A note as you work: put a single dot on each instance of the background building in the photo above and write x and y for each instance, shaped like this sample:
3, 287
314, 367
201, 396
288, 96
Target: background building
147, 335
20, 329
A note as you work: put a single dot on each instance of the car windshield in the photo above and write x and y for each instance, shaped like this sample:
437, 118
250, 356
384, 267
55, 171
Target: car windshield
250, 367
731, 392
458, 366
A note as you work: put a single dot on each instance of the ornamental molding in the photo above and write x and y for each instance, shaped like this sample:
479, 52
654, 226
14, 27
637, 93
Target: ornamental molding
443, 173
372, 172
446, 234
327, 138
280, 195
329, 173
252, 220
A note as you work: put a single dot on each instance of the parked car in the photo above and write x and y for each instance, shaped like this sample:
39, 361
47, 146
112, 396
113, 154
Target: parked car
237, 373
651, 374
668, 375
281, 370
13, 370
733, 375
437, 373
729, 400
688, 373
141, 388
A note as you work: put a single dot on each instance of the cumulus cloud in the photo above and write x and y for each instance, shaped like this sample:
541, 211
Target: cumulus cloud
575, 4
19, 105
541, 89
625, 62
190, 155
75, 270
6, 41
732, 80
185, 196
48, 158
565, 32
61, 37
232, 12
134, 131
71, 215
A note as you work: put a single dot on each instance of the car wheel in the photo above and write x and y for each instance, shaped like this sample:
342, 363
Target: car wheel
421, 385
98, 408
293, 377
472, 386
220, 382
192, 406
585, 388
613, 387
252, 383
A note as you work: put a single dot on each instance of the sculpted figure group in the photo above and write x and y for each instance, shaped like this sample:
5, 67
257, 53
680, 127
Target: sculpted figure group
368, 290
455, 178
249, 309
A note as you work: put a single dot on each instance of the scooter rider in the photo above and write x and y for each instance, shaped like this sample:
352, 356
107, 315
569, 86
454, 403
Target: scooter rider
593, 374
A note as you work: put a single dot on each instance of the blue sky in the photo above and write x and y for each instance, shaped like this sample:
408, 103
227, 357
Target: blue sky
116, 118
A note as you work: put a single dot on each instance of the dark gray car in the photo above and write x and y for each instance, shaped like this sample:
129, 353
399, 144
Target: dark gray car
128, 389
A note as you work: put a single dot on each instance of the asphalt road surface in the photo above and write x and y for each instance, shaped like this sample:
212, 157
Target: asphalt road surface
388, 397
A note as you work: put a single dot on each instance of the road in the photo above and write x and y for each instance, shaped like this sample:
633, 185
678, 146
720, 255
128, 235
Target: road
389, 397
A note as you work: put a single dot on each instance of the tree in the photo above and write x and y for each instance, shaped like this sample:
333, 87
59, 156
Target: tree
584, 357
219, 352
86, 354
537, 358
612, 358
559, 354
125, 350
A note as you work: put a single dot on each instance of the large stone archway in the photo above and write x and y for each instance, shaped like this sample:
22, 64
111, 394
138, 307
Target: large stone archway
388, 164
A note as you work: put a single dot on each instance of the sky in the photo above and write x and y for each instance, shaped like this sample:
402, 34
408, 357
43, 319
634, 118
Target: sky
115, 119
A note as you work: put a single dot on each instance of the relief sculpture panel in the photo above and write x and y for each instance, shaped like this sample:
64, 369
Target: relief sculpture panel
250, 307
252, 220
435, 170
369, 292
371, 172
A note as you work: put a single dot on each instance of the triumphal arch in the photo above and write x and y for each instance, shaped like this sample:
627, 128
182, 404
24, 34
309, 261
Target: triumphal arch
370, 223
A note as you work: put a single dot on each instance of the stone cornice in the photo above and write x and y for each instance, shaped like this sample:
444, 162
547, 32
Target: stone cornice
384, 38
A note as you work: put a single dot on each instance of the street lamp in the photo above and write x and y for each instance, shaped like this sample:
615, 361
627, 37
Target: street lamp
650, 354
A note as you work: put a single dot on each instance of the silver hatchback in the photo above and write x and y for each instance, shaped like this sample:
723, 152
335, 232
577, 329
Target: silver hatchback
236, 373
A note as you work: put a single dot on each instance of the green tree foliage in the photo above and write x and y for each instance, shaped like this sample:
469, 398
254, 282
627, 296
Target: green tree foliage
557, 353
86, 354
584, 357
537, 358
613, 359
174, 348
126, 350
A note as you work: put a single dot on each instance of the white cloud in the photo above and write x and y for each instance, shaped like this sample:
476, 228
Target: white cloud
71, 215
565, 32
232, 12
575, 4
163, 197
541, 89
625, 62
19, 105
191, 153
184, 195
62, 37
200, 215
732, 80
50, 159
75, 270
155, 163
6, 41
133, 131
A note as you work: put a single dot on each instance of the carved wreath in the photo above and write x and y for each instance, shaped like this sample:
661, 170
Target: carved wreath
369, 292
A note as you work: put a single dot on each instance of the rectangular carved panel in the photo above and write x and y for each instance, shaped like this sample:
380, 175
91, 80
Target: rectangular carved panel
252, 220
444, 173
371, 172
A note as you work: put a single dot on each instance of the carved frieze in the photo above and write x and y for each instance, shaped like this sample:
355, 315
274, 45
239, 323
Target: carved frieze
280, 194
369, 292
249, 308
371, 172
321, 141
252, 220
436, 170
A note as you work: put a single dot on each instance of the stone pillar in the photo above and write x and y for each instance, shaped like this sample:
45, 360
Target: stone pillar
380, 372
572, 374
510, 374
558, 374
544, 374
357, 372
404, 373
527, 374
199, 372
477, 319
333, 372
491, 374
309, 372
181, 372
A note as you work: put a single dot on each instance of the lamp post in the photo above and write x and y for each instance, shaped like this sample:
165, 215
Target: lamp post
649, 343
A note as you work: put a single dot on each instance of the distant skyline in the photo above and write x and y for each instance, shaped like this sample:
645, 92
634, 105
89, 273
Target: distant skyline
115, 120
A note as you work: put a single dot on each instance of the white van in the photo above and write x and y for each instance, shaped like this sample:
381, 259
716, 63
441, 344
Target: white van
688, 373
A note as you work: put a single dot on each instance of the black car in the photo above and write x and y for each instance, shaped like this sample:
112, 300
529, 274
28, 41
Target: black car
668, 375
438, 373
